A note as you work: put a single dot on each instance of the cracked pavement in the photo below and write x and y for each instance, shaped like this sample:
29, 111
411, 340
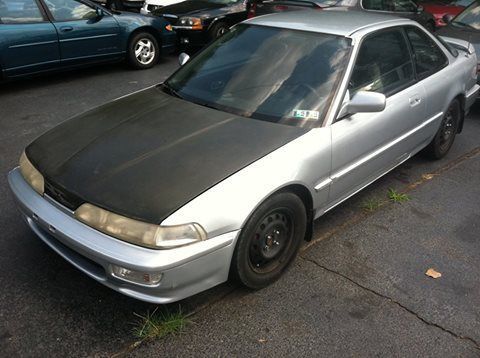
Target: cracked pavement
358, 289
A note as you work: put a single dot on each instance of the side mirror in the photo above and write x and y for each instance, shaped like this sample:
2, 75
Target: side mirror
99, 12
183, 58
419, 8
363, 102
447, 18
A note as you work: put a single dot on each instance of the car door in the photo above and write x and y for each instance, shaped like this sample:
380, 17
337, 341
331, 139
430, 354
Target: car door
430, 63
28, 41
84, 35
366, 145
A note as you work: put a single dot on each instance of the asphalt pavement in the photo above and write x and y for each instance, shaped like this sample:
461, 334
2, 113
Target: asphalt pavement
358, 289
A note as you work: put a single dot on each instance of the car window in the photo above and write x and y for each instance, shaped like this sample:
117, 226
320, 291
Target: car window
383, 64
429, 58
389, 5
272, 74
19, 11
65, 10
469, 18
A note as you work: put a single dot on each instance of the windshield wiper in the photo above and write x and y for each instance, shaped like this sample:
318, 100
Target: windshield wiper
172, 91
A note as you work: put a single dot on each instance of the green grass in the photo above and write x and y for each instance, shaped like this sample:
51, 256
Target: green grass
371, 204
397, 197
160, 324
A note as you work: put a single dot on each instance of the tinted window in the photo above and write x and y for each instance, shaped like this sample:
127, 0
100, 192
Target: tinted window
429, 58
383, 64
266, 73
389, 5
64, 10
469, 18
19, 11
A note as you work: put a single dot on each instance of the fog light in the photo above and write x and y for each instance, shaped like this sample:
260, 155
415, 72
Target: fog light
140, 278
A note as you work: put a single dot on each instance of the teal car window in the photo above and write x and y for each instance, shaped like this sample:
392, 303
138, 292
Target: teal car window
19, 11
429, 58
387, 73
65, 10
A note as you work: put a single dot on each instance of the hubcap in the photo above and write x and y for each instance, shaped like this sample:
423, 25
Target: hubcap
270, 242
144, 51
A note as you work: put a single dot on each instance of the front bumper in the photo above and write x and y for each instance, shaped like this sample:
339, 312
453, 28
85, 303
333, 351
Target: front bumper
185, 270
191, 38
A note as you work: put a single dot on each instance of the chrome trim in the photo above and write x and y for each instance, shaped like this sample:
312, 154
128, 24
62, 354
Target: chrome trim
322, 184
33, 44
473, 91
380, 150
88, 38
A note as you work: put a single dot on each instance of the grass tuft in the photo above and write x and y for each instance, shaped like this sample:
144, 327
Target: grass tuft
397, 197
371, 204
160, 324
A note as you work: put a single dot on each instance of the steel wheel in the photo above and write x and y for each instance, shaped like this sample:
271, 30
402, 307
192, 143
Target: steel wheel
269, 241
144, 51
443, 140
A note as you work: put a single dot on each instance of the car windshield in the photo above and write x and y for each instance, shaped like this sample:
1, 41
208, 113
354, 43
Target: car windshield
469, 18
266, 73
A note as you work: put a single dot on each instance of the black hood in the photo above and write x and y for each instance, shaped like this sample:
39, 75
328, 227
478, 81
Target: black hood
189, 7
146, 155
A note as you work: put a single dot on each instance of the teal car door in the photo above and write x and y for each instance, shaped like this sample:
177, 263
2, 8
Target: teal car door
84, 34
28, 41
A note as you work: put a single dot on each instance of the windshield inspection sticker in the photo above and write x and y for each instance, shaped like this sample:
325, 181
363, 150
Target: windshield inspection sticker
303, 114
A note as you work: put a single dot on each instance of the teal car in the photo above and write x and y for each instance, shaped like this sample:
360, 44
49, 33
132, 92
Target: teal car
45, 35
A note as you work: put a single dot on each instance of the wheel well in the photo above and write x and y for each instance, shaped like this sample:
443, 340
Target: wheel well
151, 30
304, 194
461, 100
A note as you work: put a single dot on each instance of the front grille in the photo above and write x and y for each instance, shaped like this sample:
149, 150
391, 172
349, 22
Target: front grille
62, 196
84, 262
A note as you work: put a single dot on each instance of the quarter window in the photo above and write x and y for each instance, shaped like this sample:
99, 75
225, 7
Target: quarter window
383, 64
66, 10
429, 58
389, 5
19, 11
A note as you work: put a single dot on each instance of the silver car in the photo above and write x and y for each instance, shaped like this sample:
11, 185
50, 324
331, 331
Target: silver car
221, 170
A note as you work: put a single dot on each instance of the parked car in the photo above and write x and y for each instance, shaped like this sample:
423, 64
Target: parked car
221, 170
403, 8
150, 5
441, 8
465, 26
197, 22
44, 35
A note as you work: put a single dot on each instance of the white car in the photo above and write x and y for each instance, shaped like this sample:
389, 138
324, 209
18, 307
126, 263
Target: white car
150, 5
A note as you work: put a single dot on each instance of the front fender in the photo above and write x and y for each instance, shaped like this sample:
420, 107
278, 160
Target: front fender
226, 206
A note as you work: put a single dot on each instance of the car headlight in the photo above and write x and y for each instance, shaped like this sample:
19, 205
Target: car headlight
139, 232
31, 175
194, 22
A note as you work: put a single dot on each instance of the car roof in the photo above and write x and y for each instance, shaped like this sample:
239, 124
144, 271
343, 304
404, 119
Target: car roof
335, 21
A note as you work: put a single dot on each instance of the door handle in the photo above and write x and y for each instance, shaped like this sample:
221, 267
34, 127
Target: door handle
414, 101
66, 28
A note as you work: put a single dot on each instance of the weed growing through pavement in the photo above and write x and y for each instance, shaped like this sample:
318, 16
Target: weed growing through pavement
371, 204
160, 324
397, 197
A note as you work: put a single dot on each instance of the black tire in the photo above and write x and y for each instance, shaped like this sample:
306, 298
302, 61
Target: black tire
144, 42
217, 30
269, 241
443, 140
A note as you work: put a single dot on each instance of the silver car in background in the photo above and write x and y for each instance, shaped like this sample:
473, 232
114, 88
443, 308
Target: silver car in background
220, 171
